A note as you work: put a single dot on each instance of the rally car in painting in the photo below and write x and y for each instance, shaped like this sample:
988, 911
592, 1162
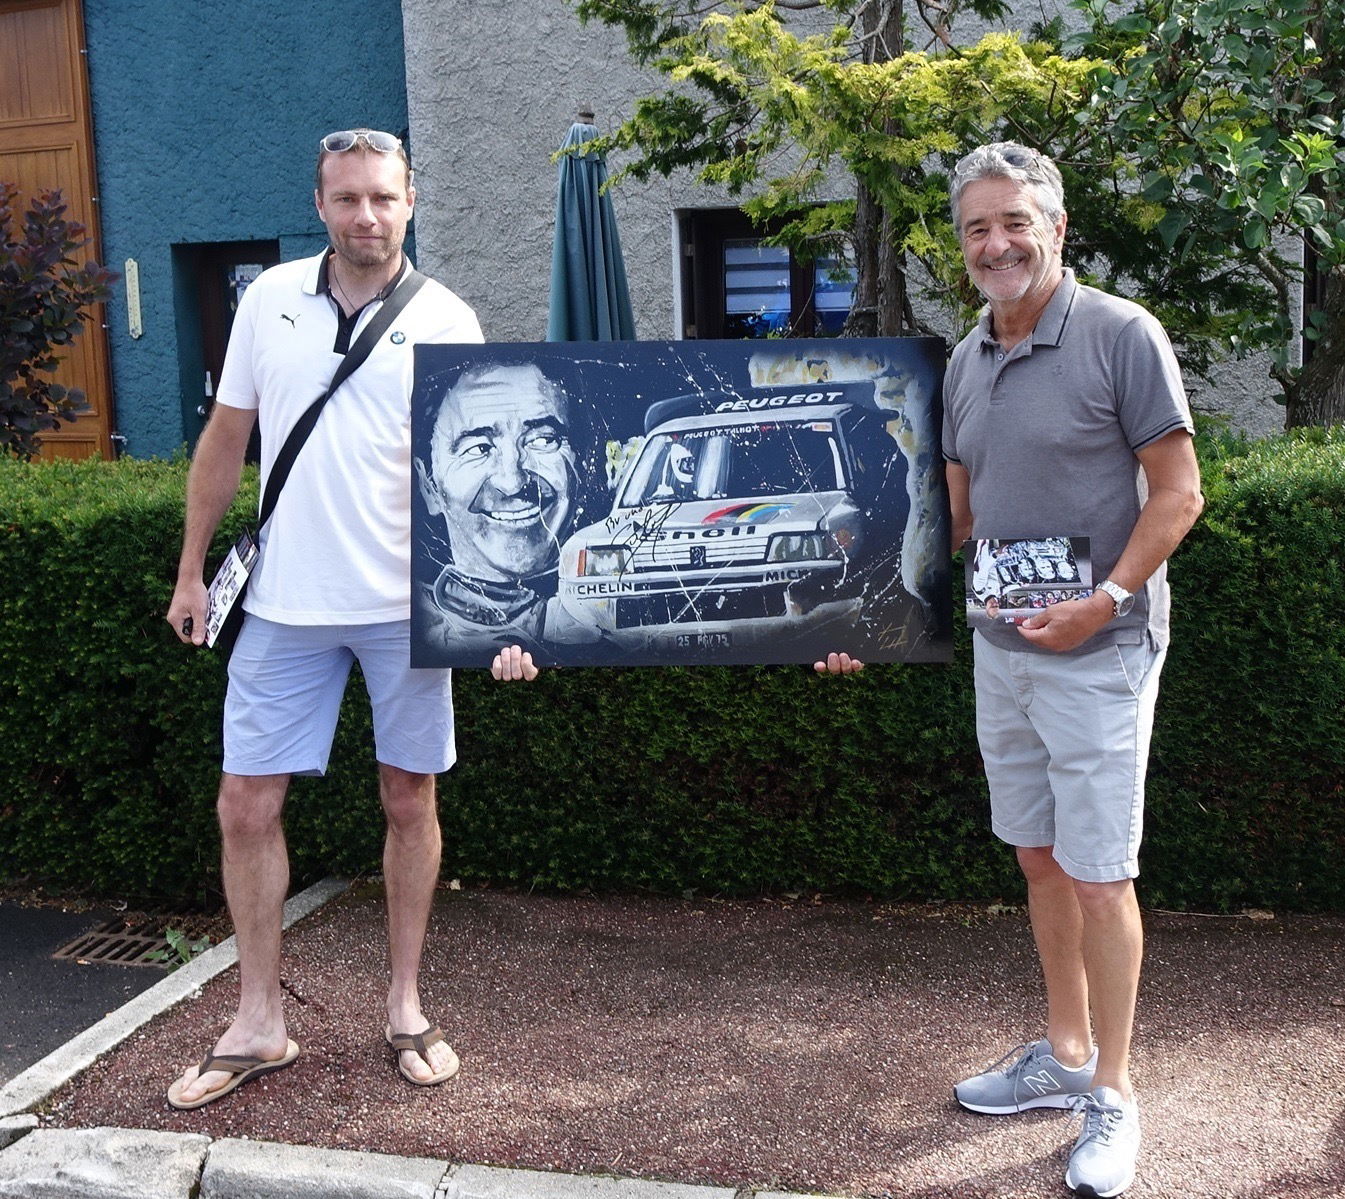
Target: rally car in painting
744, 516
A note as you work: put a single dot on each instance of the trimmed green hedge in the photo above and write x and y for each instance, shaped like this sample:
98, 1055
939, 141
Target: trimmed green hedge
733, 780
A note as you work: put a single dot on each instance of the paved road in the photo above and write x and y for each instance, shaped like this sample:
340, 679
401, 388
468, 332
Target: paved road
45, 1002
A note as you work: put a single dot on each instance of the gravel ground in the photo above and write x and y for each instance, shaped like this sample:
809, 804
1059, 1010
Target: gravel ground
803, 1046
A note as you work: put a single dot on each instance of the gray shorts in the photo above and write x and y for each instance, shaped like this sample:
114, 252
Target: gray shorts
1065, 739
285, 689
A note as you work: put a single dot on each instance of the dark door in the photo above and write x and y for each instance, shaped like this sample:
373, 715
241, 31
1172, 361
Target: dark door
221, 272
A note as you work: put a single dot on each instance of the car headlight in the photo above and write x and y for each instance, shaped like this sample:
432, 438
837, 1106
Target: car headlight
603, 560
796, 547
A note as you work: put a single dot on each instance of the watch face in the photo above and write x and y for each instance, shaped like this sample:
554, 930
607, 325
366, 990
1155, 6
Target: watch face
1124, 606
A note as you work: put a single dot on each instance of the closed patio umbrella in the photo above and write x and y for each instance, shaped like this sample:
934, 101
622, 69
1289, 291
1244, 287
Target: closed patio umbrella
589, 297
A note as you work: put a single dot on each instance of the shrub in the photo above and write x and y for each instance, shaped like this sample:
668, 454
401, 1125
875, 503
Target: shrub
44, 298
731, 780
1249, 754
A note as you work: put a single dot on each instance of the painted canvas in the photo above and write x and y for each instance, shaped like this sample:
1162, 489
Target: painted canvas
691, 502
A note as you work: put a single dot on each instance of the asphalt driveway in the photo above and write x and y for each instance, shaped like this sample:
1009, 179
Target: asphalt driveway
44, 1001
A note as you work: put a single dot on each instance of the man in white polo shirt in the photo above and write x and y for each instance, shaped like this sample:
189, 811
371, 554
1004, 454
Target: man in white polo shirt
332, 587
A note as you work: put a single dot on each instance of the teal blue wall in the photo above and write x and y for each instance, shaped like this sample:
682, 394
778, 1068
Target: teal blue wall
206, 122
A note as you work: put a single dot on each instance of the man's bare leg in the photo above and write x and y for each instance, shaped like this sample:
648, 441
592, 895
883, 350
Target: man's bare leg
256, 881
1113, 949
410, 874
1057, 928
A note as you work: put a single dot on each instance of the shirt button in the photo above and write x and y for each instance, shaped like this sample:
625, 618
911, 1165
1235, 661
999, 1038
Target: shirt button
1000, 356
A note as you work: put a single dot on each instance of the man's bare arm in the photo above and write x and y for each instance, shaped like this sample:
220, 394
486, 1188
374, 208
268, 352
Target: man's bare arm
212, 484
959, 502
1174, 504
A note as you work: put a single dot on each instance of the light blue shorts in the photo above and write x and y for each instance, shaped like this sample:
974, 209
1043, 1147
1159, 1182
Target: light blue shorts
285, 689
1065, 739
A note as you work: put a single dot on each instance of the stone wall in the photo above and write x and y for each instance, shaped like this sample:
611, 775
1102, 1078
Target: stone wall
492, 90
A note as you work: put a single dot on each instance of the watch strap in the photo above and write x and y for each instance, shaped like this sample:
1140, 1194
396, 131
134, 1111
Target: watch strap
1121, 599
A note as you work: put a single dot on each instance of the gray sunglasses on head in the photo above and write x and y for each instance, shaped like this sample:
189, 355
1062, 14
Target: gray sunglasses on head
348, 139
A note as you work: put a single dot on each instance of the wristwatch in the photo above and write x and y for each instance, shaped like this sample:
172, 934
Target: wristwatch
1121, 599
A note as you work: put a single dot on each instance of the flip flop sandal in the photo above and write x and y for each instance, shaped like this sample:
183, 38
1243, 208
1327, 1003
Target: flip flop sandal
419, 1042
242, 1068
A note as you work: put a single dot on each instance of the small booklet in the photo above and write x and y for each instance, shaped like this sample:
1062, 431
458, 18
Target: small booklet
1008, 580
227, 587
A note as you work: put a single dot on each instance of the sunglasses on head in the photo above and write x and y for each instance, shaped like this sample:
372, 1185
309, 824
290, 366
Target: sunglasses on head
348, 139
1021, 157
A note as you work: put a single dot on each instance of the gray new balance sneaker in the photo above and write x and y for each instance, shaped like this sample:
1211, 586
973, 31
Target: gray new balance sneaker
1035, 1079
1102, 1163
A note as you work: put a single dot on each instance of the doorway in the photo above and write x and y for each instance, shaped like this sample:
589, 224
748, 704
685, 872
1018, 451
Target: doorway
46, 141
210, 279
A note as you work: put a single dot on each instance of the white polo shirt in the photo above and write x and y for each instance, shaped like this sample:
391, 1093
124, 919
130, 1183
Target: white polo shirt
338, 548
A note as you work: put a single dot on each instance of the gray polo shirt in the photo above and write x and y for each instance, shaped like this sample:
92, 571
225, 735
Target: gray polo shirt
1048, 433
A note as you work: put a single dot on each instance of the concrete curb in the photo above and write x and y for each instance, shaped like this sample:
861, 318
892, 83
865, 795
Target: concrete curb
102, 1163
237, 1169
14, 1127
490, 1182
121, 1163
25, 1091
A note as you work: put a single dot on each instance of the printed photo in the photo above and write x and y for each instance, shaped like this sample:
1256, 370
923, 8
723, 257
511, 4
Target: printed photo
659, 503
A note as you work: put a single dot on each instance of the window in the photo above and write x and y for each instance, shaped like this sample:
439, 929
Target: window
737, 459
735, 285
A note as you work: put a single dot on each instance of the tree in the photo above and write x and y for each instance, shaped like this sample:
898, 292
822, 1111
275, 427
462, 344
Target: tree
1232, 109
44, 298
1196, 137
759, 106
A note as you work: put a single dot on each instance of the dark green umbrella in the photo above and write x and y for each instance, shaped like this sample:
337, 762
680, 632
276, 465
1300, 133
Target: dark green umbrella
589, 297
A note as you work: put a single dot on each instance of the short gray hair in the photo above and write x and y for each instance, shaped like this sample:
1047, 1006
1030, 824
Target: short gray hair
1009, 160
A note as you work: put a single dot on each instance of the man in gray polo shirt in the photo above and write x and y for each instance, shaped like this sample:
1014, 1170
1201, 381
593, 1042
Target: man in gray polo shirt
1066, 416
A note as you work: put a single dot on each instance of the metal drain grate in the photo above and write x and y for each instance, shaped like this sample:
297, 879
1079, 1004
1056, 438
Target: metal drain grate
125, 943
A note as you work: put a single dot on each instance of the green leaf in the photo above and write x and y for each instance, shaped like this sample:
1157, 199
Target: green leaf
1171, 227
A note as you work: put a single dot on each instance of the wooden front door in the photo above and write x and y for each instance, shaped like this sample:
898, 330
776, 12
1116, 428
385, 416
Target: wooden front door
46, 141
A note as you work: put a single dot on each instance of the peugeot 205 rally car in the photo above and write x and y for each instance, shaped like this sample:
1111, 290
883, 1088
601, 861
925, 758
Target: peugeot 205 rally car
745, 516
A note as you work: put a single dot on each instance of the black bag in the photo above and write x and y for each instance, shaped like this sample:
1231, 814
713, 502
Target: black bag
224, 612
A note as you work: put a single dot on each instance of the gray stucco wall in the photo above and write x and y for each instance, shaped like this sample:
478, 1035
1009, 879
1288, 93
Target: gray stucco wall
491, 94
491, 91
206, 122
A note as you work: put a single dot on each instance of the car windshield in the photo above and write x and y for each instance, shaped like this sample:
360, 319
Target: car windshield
736, 462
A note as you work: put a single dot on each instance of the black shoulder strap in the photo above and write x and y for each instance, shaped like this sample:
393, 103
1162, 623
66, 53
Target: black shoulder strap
391, 308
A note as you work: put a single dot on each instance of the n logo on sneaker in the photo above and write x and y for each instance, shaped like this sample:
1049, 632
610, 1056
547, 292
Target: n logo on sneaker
1041, 1084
